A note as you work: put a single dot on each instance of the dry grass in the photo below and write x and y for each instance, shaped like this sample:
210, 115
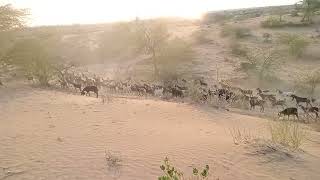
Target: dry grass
241, 135
106, 99
235, 32
287, 133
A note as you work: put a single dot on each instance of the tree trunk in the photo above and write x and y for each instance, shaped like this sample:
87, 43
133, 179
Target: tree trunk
155, 64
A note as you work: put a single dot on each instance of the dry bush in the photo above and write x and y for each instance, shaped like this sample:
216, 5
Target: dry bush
287, 133
33, 58
172, 56
194, 92
114, 163
216, 18
272, 22
119, 40
201, 37
238, 50
261, 63
241, 135
106, 99
296, 44
307, 83
112, 159
235, 32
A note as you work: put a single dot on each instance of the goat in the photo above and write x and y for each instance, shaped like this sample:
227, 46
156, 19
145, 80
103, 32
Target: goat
262, 91
76, 86
246, 92
176, 92
301, 99
89, 89
256, 102
270, 97
285, 93
278, 103
289, 111
311, 109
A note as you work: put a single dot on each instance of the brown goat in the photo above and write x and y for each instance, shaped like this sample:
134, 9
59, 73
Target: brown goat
257, 102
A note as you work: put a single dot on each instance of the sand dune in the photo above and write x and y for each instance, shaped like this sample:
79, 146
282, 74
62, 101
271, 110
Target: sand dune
46, 134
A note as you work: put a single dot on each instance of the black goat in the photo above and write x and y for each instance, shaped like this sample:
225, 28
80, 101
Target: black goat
289, 111
89, 89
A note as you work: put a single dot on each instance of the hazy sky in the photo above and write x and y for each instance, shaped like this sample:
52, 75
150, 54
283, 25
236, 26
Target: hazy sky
51, 12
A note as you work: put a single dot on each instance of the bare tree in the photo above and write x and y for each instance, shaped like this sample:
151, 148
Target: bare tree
152, 38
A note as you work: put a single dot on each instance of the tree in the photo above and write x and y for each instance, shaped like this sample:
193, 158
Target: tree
165, 51
118, 41
31, 56
12, 18
308, 82
151, 39
308, 8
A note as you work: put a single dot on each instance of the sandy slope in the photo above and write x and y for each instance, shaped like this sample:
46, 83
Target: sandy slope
45, 134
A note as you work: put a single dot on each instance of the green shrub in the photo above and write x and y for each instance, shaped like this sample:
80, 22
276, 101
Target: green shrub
172, 173
295, 43
287, 133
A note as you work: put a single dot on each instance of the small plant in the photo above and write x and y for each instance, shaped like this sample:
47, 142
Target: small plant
112, 159
172, 173
288, 134
296, 43
267, 37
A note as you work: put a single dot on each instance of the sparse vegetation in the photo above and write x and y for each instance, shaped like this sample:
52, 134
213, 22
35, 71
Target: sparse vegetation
241, 135
287, 133
238, 50
261, 63
272, 22
235, 32
308, 8
296, 44
172, 173
308, 82
119, 40
30, 55
201, 37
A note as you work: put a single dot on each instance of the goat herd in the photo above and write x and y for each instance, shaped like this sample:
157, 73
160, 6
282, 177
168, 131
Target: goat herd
182, 88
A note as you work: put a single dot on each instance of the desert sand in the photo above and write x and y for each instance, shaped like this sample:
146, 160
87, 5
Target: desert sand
49, 134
